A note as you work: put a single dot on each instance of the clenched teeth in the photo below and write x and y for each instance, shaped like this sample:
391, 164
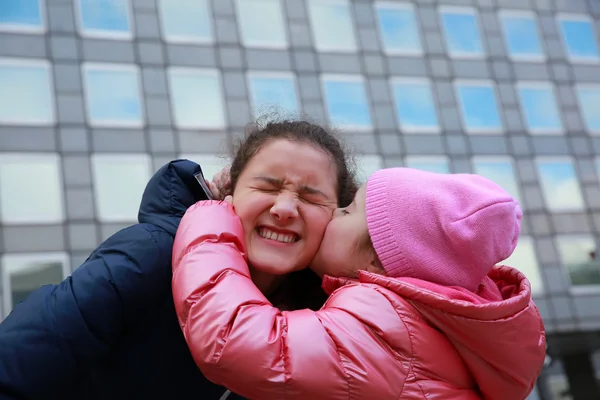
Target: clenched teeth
280, 237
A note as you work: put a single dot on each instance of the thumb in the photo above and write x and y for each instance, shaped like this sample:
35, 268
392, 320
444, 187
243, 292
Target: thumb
228, 199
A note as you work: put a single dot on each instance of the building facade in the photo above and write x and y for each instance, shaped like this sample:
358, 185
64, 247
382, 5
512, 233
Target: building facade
95, 95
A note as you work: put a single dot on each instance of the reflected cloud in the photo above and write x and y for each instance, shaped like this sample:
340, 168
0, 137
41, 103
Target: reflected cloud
332, 25
113, 96
521, 35
589, 102
25, 94
479, 107
270, 92
399, 29
196, 99
414, 105
541, 110
105, 15
253, 16
347, 103
560, 185
500, 172
185, 19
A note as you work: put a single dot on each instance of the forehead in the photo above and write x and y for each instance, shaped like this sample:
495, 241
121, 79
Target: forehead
294, 162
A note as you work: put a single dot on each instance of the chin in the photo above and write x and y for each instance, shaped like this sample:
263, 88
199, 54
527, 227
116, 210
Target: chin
272, 267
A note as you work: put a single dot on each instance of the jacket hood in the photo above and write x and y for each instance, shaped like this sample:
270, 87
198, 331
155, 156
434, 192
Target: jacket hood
169, 193
498, 331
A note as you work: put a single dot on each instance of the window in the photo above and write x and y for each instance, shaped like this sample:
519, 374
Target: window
113, 95
398, 28
437, 164
589, 104
559, 184
210, 163
261, 23
415, 107
26, 92
110, 19
119, 182
346, 101
367, 164
579, 38
499, 170
479, 106
31, 190
522, 36
525, 260
24, 273
186, 21
196, 98
271, 91
578, 256
539, 107
332, 25
22, 16
461, 30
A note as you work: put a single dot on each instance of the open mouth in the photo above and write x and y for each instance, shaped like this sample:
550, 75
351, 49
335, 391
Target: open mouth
287, 237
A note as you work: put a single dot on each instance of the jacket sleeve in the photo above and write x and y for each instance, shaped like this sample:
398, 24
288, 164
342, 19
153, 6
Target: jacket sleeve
239, 340
49, 341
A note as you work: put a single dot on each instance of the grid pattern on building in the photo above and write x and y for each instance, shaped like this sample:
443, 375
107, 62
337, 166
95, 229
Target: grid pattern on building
96, 95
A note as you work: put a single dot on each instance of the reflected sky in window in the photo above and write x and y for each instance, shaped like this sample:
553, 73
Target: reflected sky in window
398, 29
479, 107
560, 185
579, 38
439, 165
25, 93
261, 23
196, 98
521, 35
273, 93
113, 96
462, 33
540, 108
347, 103
332, 25
111, 16
23, 202
210, 163
186, 20
119, 182
589, 103
525, 260
415, 107
499, 171
22, 13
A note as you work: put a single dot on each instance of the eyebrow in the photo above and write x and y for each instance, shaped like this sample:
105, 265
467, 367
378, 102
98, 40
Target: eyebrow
278, 182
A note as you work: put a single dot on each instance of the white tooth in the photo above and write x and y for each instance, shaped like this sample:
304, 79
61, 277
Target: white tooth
280, 237
273, 236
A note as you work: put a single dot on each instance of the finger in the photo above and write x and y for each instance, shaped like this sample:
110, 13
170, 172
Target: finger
229, 199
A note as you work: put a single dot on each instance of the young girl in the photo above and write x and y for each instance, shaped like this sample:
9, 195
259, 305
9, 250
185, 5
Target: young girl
424, 314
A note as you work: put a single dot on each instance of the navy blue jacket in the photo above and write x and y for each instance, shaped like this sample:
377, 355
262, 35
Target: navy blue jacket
110, 331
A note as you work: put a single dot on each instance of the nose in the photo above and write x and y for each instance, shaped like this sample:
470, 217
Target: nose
285, 207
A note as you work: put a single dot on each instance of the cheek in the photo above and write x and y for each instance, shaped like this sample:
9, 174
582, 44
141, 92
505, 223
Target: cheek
317, 221
249, 206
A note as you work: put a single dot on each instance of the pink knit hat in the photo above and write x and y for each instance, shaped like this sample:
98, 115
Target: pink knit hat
449, 229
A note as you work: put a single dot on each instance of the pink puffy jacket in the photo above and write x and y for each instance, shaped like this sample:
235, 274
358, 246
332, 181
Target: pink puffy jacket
375, 338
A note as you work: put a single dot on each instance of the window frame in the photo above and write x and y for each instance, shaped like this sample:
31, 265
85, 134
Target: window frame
539, 85
575, 289
177, 39
204, 158
428, 159
575, 17
250, 74
458, 83
349, 78
577, 87
133, 68
202, 72
103, 33
40, 63
319, 47
522, 14
556, 159
28, 29
461, 10
404, 7
50, 256
145, 157
251, 44
415, 81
